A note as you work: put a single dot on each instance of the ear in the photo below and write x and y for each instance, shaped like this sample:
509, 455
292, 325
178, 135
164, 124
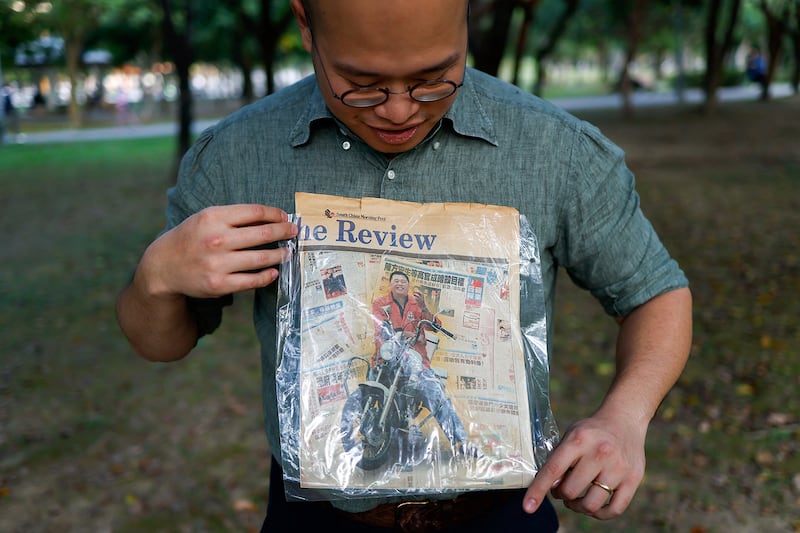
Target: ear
302, 23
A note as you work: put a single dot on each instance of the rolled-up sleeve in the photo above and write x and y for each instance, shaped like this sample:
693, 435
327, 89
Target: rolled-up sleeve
607, 245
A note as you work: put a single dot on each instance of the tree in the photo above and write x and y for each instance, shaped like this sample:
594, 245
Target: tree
16, 28
781, 19
636, 11
177, 26
795, 39
548, 45
18, 24
73, 20
274, 21
719, 34
490, 23
776, 26
243, 43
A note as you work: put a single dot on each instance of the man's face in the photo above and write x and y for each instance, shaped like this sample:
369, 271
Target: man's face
390, 44
399, 285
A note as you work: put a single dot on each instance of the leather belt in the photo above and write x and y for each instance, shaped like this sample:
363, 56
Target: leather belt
430, 516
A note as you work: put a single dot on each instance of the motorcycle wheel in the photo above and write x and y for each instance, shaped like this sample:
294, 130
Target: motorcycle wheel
360, 430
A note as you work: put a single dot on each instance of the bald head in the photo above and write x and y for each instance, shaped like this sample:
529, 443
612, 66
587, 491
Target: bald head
315, 10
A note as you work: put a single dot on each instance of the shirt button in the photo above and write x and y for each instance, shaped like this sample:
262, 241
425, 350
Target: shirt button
346, 145
391, 175
436, 145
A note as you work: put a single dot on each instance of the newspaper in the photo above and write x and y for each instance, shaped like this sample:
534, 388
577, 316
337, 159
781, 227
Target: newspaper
435, 286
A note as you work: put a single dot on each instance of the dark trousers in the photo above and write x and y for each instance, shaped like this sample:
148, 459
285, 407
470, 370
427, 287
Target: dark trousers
296, 517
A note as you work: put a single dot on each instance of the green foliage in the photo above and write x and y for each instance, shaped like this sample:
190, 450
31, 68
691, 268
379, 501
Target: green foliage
16, 27
127, 29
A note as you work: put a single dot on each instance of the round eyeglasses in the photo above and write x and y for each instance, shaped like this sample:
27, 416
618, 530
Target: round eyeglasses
425, 91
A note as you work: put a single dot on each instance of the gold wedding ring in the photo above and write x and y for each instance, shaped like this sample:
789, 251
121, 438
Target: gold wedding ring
606, 488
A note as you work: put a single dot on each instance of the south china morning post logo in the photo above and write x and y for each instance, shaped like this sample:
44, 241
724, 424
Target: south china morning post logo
361, 216
355, 229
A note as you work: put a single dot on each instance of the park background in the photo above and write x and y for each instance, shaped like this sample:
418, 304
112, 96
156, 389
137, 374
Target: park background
93, 438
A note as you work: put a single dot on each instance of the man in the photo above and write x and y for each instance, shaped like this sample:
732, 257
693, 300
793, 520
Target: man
400, 313
394, 113
9, 119
756, 70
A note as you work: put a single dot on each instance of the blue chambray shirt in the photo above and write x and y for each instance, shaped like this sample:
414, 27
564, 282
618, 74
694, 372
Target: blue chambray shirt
496, 145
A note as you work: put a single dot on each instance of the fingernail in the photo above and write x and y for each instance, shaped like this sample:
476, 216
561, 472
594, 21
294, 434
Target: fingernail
556, 483
529, 505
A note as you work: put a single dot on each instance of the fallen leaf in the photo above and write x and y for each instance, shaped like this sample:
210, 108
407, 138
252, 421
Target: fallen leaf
604, 369
766, 341
243, 505
764, 457
779, 419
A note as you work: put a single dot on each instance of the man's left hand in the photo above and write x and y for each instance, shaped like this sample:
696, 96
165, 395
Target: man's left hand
595, 470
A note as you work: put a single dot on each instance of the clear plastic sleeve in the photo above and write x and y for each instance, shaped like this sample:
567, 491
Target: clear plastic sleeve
412, 346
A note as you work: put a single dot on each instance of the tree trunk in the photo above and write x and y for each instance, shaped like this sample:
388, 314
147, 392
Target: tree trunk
717, 50
183, 55
269, 33
529, 10
678, 30
550, 44
635, 31
776, 28
72, 56
488, 44
239, 55
185, 107
795, 81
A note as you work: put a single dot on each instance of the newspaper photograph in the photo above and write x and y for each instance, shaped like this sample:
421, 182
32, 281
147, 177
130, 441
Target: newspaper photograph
412, 373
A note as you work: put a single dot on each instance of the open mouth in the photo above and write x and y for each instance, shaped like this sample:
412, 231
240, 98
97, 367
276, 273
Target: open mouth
395, 136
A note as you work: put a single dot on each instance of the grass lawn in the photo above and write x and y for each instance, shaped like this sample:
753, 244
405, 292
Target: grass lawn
94, 439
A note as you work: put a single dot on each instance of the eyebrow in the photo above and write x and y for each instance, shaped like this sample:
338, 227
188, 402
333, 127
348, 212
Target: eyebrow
352, 70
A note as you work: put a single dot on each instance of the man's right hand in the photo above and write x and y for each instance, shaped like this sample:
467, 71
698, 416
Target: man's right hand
217, 251
214, 252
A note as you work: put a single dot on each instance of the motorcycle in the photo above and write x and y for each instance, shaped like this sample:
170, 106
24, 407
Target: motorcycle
381, 417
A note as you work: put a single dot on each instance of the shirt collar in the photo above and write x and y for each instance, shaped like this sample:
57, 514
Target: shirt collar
314, 110
466, 116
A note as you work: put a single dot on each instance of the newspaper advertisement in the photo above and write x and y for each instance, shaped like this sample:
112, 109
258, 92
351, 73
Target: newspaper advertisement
411, 367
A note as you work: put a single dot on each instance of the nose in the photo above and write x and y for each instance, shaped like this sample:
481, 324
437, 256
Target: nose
398, 108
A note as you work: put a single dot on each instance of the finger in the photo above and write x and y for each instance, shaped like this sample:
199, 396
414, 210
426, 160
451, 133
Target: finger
262, 234
587, 507
577, 481
241, 215
597, 496
548, 476
601, 504
249, 261
244, 281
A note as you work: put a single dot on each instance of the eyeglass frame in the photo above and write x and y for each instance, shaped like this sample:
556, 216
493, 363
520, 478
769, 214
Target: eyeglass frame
385, 90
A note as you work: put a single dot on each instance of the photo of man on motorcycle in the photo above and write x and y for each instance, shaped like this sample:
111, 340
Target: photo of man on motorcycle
400, 316
384, 417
